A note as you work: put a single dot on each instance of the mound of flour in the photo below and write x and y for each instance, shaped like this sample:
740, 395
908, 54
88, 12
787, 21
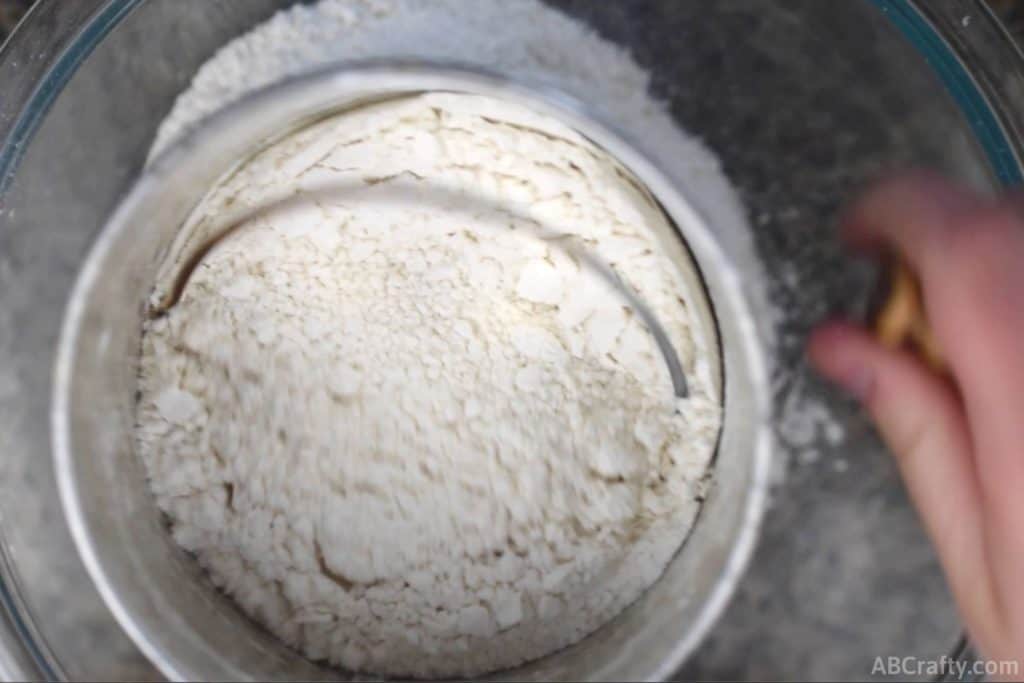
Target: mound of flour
407, 440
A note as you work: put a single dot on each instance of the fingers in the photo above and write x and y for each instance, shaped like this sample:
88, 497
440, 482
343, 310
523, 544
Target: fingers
969, 255
961, 453
909, 212
921, 420
977, 311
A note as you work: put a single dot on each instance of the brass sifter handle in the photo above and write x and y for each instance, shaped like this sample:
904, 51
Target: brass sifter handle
901, 320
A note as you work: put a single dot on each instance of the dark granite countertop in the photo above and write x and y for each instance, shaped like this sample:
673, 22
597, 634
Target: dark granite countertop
10, 12
1011, 12
822, 564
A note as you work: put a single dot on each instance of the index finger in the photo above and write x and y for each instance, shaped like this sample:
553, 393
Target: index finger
909, 212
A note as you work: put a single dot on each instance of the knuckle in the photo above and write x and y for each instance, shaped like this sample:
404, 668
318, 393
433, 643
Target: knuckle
981, 240
909, 442
984, 231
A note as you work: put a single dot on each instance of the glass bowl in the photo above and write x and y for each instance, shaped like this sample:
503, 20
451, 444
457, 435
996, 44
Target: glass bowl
803, 101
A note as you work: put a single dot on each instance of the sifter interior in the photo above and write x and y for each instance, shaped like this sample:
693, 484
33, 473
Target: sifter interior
172, 281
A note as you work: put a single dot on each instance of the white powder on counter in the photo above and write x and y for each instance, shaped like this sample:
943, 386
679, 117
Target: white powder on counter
415, 442
520, 38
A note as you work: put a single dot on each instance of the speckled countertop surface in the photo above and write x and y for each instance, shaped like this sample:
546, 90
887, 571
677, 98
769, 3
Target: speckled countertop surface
1011, 12
811, 526
10, 13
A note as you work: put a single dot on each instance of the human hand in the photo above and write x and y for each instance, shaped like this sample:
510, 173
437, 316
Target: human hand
958, 440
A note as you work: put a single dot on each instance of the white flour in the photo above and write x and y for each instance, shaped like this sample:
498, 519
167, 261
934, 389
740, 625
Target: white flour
522, 38
420, 443
410, 442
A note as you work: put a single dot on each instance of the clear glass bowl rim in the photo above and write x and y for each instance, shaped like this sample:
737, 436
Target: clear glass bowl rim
982, 70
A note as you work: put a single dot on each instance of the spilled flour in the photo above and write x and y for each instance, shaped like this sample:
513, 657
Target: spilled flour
407, 439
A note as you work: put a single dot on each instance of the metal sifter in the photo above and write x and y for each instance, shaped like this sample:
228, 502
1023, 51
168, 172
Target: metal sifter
158, 593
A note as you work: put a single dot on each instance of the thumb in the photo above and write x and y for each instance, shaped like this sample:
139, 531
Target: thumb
922, 421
